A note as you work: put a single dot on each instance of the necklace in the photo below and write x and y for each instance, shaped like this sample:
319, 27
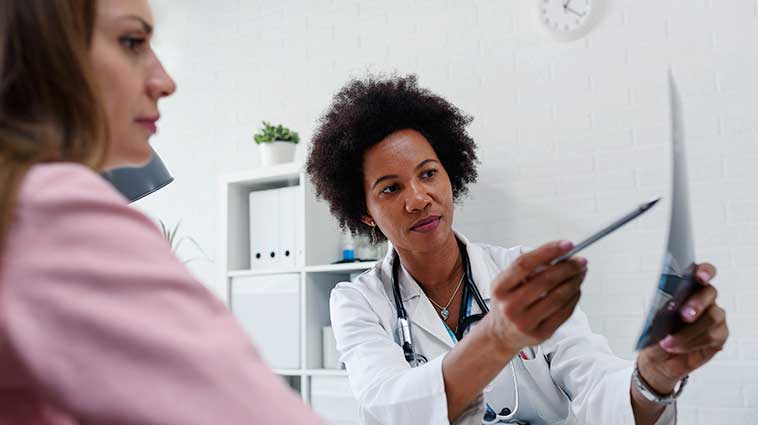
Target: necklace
444, 312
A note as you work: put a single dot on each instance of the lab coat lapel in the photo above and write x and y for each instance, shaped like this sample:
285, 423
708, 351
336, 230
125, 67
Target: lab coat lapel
420, 311
423, 313
483, 270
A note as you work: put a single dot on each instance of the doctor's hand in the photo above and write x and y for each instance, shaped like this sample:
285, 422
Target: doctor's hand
531, 299
664, 364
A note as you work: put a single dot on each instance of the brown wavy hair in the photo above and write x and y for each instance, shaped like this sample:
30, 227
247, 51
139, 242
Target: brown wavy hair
49, 107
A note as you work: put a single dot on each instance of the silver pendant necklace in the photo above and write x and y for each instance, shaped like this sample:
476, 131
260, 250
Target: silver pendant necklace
444, 312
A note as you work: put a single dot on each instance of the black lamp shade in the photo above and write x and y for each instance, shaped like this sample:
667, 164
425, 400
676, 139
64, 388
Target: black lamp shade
137, 182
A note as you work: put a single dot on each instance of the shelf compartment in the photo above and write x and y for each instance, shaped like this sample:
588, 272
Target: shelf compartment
268, 308
318, 288
235, 215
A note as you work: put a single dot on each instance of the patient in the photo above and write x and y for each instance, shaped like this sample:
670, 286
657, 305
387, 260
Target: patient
99, 322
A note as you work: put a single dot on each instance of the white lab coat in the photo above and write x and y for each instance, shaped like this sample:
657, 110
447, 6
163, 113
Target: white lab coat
574, 378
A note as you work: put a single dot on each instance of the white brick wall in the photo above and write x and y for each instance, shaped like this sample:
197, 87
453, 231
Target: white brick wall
571, 135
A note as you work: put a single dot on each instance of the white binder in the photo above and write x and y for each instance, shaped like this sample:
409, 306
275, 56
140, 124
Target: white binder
274, 216
264, 228
287, 218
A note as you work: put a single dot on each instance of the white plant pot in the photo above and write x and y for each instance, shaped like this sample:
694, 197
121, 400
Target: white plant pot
277, 153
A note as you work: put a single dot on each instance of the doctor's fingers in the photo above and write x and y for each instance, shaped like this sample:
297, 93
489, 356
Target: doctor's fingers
713, 339
697, 303
704, 273
709, 330
515, 274
547, 327
554, 300
541, 285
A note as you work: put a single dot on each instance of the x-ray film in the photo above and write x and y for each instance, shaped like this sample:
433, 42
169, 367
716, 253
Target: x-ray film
677, 282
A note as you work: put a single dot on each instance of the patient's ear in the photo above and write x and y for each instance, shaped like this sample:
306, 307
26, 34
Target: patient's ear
368, 221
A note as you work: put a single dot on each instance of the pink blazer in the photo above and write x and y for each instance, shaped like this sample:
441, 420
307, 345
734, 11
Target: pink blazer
101, 324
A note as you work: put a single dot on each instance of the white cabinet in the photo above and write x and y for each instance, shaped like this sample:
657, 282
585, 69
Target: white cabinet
268, 307
282, 301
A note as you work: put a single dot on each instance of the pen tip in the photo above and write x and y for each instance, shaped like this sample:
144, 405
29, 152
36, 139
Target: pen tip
653, 202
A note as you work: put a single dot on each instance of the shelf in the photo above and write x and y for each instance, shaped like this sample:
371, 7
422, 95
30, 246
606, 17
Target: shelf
325, 372
347, 267
263, 272
273, 173
288, 372
318, 242
326, 268
310, 372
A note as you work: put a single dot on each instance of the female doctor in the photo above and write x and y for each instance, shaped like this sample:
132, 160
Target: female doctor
391, 159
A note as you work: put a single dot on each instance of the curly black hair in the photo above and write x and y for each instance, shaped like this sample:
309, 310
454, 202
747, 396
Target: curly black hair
362, 114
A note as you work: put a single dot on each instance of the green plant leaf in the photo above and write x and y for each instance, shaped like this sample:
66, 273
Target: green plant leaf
175, 241
173, 236
270, 133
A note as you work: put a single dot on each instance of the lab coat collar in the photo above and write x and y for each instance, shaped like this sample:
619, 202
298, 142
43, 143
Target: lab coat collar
482, 266
479, 269
420, 310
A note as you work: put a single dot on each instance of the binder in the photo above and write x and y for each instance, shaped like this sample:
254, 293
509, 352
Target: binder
264, 228
273, 228
287, 217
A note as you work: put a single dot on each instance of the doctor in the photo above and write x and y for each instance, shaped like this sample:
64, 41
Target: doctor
444, 330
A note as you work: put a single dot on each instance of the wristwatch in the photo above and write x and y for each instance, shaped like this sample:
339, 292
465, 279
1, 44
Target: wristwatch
653, 396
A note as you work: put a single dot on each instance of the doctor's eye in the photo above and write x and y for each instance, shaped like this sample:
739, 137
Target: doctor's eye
390, 189
429, 173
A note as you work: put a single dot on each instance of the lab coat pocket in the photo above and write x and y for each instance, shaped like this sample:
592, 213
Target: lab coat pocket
548, 399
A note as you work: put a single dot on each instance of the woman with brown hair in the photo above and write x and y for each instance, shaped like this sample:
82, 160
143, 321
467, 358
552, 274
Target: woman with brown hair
99, 323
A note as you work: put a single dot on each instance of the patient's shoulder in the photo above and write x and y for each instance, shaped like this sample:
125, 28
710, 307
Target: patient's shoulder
69, 206
64, 184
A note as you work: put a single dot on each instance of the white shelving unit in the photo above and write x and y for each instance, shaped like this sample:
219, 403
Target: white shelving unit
308, 284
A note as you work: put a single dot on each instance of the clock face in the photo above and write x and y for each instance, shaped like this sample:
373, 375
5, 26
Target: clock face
565, 17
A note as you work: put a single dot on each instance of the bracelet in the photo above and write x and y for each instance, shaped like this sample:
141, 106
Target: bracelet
653, 396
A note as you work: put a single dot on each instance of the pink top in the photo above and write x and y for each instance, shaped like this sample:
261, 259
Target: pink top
101, 324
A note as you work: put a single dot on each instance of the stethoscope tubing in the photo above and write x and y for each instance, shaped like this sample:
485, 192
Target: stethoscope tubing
404, 330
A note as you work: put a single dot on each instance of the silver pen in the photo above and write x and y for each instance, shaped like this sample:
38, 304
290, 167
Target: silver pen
606, 231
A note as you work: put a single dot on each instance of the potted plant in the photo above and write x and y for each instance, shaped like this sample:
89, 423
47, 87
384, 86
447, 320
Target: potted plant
277, 144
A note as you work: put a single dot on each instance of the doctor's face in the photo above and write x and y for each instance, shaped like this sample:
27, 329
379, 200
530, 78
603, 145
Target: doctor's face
408, 192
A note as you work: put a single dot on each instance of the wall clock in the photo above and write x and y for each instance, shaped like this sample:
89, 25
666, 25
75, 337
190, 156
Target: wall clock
568, 20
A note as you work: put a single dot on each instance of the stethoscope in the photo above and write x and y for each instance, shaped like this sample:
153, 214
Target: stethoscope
416, 359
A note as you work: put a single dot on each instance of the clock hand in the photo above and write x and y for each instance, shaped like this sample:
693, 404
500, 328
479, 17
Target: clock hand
573, 11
